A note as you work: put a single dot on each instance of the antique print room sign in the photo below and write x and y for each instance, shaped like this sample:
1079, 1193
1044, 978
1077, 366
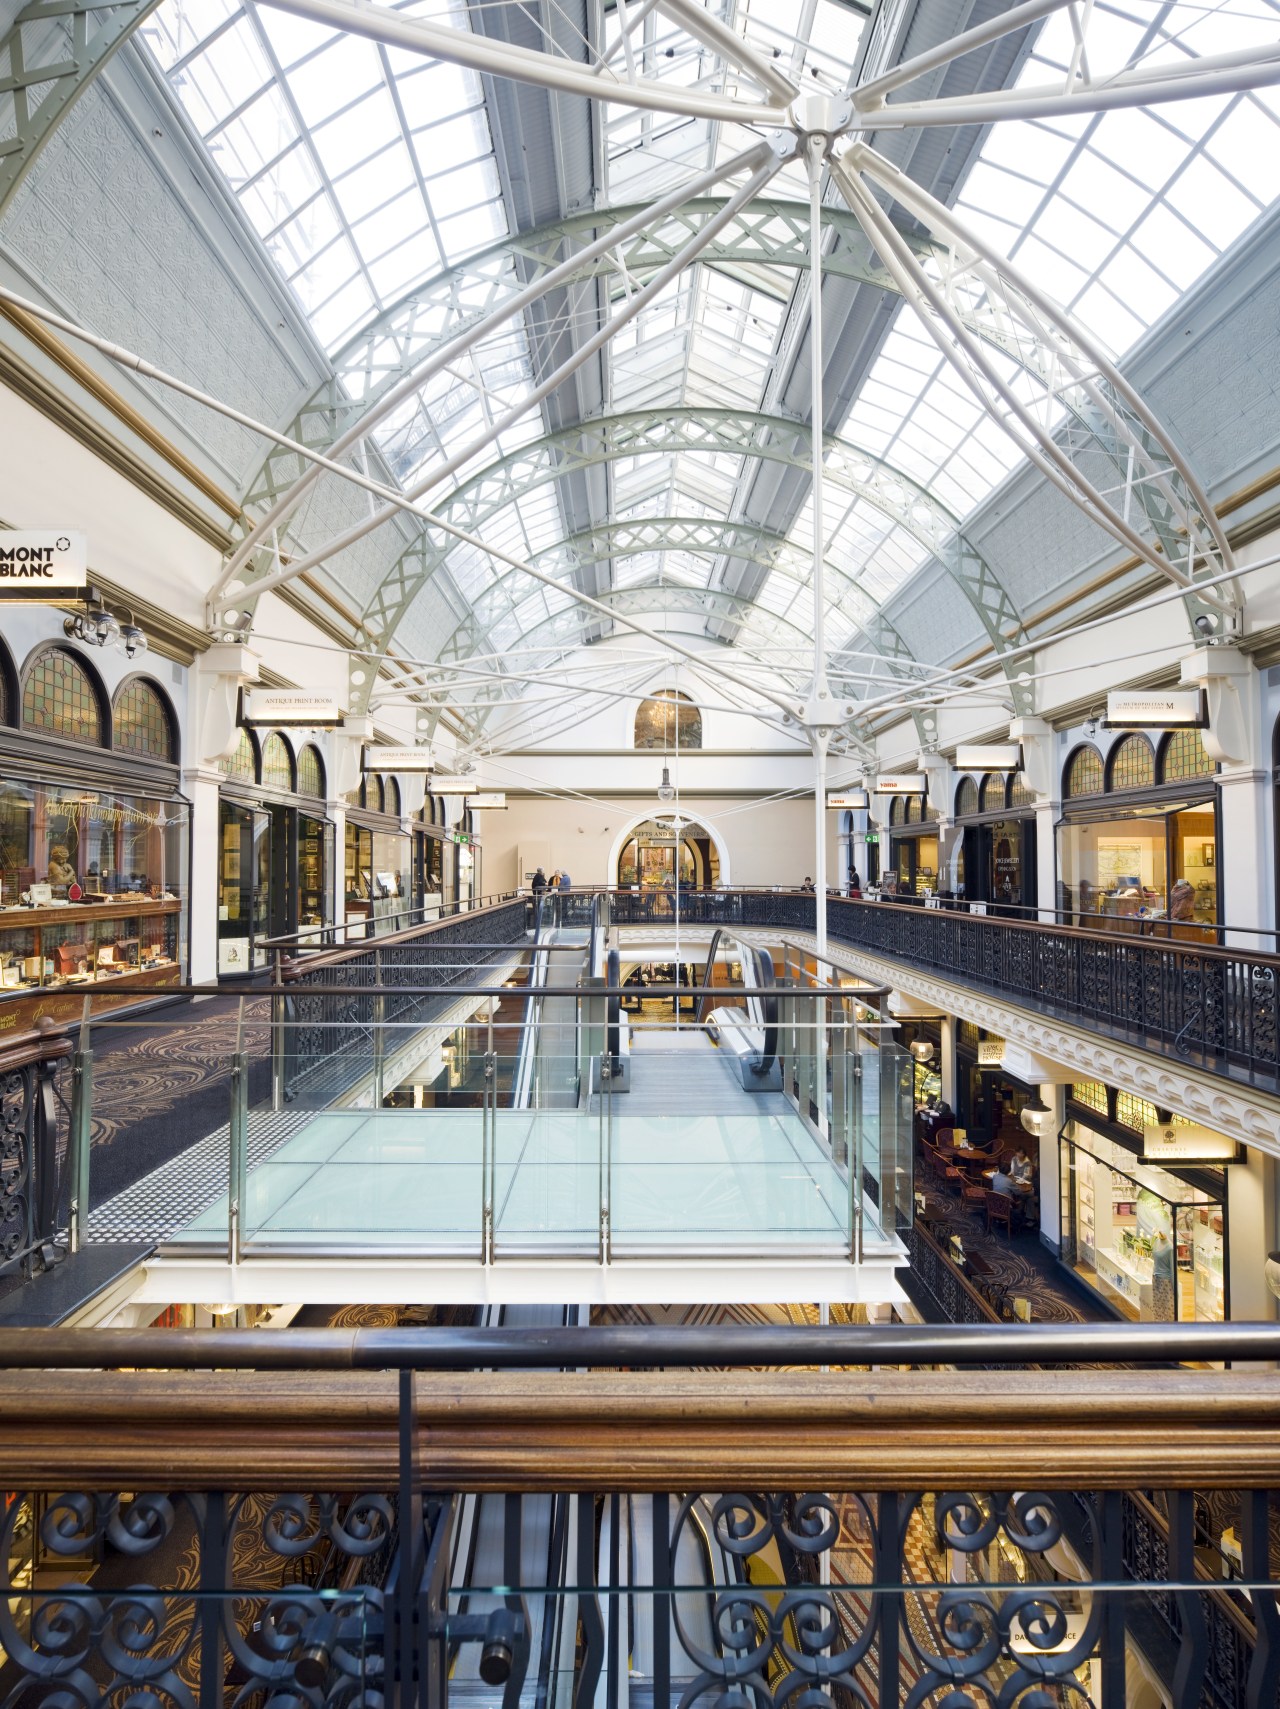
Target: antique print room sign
43, 564
398, 759
291, 708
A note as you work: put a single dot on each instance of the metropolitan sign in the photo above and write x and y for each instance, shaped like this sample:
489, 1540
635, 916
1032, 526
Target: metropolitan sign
1167, 709
397, 759
290, 708
43, 564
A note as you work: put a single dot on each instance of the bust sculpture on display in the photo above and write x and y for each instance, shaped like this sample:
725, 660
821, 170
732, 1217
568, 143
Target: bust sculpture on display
61, 870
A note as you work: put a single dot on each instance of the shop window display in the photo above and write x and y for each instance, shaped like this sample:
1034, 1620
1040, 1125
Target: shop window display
1150, 1243
92, 890
59, 698
141, 723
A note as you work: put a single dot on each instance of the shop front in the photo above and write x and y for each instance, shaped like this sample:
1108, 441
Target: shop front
989, 1101
1151, 1239
647, 860
914, 845
433, 866
997, 863
377, 861
1138, 839
94, 842
275, 851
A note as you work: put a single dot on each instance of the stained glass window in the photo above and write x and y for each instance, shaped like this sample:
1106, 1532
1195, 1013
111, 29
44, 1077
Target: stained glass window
966, 798
58, 698
897, 811
371, 795
1084, 773
310, 772
1133, 764
391, 797
243, 763
668, 719
1091, 1093
991, 794
277, 763
1183, 756
915, 809
141, 721
1021, 793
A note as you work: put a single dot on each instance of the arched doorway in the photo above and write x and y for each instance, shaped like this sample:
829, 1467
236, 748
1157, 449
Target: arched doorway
644, 856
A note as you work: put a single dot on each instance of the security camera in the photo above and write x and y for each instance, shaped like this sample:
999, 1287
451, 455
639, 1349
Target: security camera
1204, 624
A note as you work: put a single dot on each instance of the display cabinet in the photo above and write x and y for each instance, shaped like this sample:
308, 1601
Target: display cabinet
52, 957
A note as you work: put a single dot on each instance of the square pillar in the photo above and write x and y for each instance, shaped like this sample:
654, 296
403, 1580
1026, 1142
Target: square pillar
201, 785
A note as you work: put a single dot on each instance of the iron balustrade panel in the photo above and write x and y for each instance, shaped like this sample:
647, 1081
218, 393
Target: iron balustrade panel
1213, 1007
330, 1039
30, 1099
344, 1599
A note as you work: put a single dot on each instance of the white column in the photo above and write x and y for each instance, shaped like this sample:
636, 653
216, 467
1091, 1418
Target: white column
1055, 1098
200, 785
1246, 882
947, 1065
1251, 1226
1047, 813
336, 811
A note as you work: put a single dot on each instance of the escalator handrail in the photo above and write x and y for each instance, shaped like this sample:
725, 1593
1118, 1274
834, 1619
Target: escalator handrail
613, 1020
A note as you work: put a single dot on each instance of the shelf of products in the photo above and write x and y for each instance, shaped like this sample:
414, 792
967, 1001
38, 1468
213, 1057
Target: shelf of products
51, 956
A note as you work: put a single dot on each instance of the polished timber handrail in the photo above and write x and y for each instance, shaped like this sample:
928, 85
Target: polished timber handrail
644, 1346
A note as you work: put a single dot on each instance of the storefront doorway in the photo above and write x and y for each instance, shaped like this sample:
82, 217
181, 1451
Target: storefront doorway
647, 858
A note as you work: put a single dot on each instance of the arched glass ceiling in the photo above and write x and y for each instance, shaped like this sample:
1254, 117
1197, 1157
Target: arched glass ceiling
367, 170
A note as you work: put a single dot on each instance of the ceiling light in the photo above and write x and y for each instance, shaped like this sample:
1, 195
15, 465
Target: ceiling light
666, 789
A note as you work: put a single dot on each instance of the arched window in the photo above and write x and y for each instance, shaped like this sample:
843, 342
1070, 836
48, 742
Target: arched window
668, 719
310, 771
60, 698
1084, 773
243, 763
277, 764
991, 795
897, 811
140, 721
966, 798
915, 809
1183, 756
391, 796
1132, 764
1021, 793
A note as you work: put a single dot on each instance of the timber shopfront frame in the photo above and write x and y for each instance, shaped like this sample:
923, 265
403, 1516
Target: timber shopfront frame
275, 849
95, 839
995, 815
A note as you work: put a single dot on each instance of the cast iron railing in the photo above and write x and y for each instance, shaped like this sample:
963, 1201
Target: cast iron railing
29, 1179
899, 1537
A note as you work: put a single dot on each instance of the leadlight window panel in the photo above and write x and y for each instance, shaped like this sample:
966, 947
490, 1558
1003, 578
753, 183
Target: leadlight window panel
391, 797
277, 764
992, 792
668, 719
310, 772
897, 811
915, 809
966, 798
967, 1034
1084, 773
58, 699
243, 762
1092, 1094
141, 723
1021, 793
371, 794
1183, 756
1133, 764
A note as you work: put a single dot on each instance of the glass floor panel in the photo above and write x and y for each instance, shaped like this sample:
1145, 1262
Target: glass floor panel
366, 1179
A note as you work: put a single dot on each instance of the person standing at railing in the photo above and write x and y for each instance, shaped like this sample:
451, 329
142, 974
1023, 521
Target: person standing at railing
538, 883
566, 883
855, 883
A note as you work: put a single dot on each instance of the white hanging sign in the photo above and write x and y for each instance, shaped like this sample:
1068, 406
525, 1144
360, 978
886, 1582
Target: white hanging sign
902, 783
1181, 1143
989, 756
38, 564
441, 785
290, 708
491, 799
858, 798
1169, 708
397, 759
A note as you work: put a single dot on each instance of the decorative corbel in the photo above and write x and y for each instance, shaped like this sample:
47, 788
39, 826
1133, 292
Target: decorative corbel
1039, 759
348, 744
221, 672
1223, 674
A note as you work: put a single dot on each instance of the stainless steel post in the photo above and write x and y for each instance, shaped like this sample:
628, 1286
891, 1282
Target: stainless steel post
81, 1128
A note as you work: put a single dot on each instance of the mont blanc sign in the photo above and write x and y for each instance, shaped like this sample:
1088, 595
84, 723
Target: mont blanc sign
43, 564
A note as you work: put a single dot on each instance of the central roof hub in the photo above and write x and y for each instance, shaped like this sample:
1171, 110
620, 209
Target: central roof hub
821, 114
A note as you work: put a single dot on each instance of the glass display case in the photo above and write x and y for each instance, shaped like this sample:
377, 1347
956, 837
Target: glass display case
315, 854
244, 878
93, 894
375, 867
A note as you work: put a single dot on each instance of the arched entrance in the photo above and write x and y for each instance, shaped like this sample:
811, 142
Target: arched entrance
644, 856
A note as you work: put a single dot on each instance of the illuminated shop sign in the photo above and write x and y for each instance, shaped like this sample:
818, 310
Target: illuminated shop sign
43, 564
1169, 708
1182, 1142
902, 783
989, 756
398, 759
290, 708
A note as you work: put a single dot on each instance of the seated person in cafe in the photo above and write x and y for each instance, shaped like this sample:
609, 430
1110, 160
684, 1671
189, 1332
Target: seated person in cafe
1020, 1168
1001, 1182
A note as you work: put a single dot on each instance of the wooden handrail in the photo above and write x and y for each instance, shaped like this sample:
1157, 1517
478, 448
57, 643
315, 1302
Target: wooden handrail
47, 1041
639, 1431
